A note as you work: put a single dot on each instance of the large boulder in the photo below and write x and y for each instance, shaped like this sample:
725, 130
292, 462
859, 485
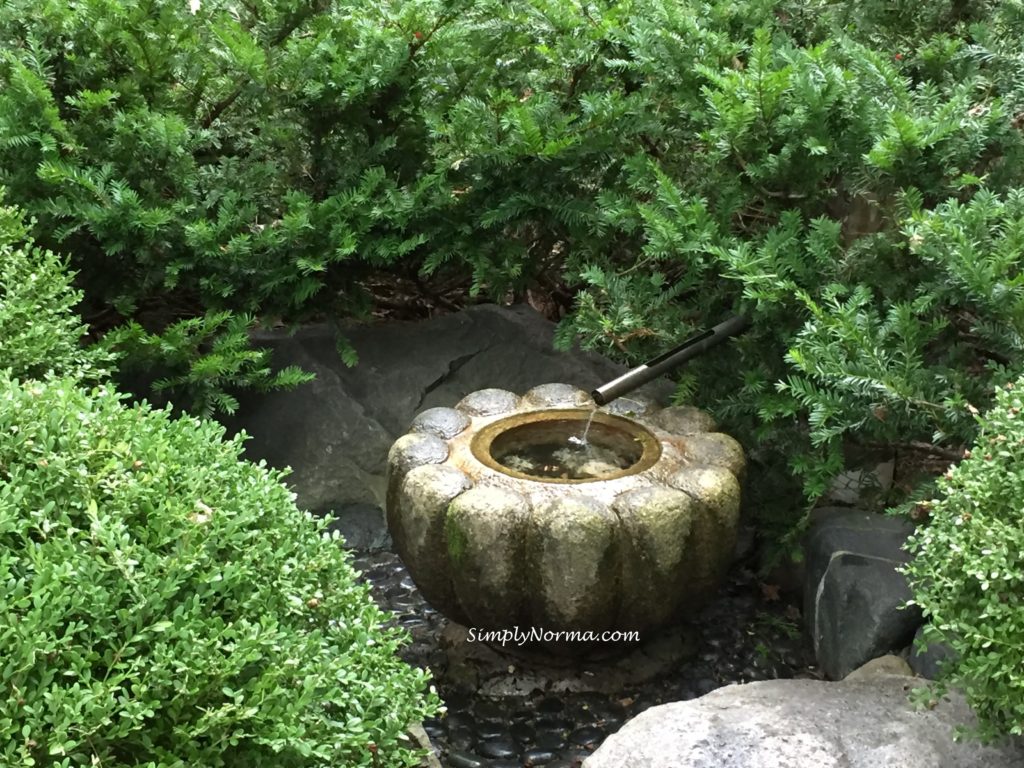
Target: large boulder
867, 723
855, 598
335, 432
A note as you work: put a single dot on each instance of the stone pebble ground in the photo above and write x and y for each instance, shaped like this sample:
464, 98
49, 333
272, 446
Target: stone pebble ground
746, 634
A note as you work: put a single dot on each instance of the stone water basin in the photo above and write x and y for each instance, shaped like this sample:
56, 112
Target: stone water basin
497, 535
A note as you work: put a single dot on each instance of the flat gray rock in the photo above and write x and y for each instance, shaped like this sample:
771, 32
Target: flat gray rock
803, 724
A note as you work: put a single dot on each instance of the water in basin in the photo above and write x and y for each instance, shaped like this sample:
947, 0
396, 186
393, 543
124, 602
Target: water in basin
555, 449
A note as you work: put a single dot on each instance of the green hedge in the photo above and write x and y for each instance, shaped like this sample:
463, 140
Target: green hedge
968, 569
165, 604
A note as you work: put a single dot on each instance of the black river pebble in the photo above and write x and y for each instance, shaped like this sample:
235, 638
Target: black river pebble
586, 736
552, 740
461, 737
463, 760
538, 757
488, 731
498, 749
523, 732
553, 723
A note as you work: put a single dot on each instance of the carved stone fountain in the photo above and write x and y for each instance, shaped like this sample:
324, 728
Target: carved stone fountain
500, 528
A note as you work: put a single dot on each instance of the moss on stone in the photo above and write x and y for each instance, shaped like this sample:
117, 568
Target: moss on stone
456, 538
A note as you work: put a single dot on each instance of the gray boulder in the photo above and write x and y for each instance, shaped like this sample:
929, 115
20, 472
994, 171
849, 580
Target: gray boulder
866, 723
335, 432
861, 612
854, 596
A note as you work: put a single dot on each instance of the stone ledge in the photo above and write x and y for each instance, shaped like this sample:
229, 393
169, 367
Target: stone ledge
803, 723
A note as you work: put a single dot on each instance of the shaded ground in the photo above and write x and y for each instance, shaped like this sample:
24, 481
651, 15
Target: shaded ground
746, 634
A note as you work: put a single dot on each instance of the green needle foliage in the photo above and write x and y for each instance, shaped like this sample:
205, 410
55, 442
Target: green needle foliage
206, 357
669, 162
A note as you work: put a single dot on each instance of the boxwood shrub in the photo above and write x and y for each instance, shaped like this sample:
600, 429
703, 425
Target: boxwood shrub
39, 332
968, 573
165, 604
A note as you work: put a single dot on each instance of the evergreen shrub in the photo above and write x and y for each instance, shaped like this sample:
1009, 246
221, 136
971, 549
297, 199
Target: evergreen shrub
39, 332
165, 604
968, 568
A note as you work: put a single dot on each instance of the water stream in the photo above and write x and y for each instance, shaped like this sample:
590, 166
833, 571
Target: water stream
582, 440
